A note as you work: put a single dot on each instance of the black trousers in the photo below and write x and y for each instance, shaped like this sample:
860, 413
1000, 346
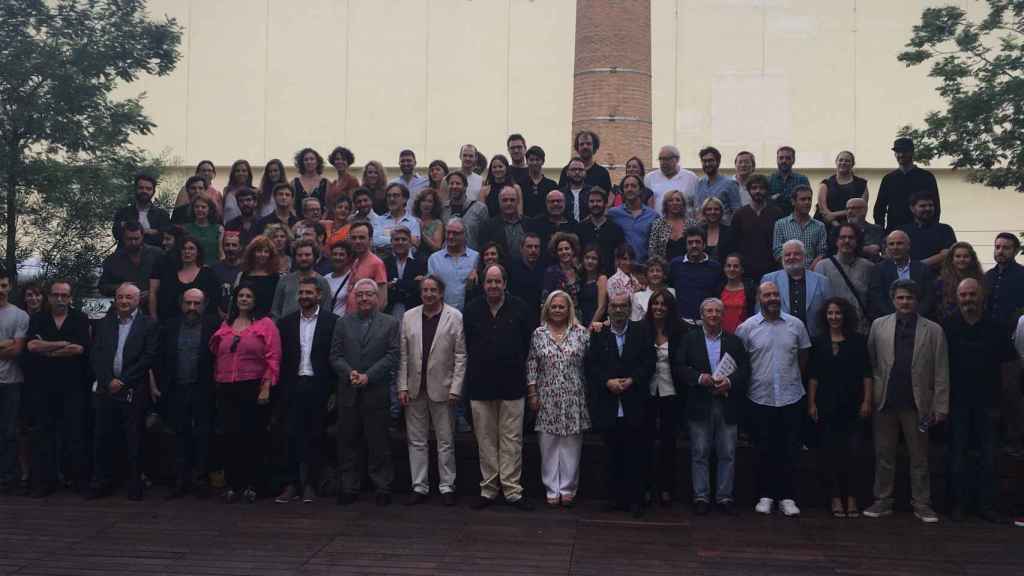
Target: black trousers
306, 405
192, 418
662, 425
116, 416
777, 431
56, 412
363, 444
244, 430
627, 463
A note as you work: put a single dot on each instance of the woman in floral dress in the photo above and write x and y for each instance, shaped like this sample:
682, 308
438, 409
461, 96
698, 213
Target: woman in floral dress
555, 387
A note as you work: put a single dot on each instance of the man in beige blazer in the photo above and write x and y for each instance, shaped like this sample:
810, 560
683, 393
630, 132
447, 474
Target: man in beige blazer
911, 393
430, 378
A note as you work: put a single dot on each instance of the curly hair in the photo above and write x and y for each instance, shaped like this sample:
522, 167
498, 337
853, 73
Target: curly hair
249, 257
950, 277
302, 154
560, 237
850, 317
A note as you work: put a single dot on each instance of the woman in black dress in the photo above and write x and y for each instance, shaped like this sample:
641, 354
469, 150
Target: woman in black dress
183, 271
594, 292
839, 398
310, 183
260, 270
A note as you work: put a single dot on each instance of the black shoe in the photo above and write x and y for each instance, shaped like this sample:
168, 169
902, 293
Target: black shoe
448, 498
613, 506
957, 514
990, 515
135, 491
637, 511
42, 491
346, 498
383, 499
701, 508
522, 504
96, 491
415, 499
230, 496
480, 503
728, 508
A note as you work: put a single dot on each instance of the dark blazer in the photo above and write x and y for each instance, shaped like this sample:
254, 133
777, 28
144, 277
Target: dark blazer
158, 218
139, 355
493, 230
726, 243
691, 360
637, 362
167, 364
319, 356
406, 290
879, 304
570, 202
544, 228
376, 355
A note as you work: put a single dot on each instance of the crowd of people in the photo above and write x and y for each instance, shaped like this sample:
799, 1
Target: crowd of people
492, 299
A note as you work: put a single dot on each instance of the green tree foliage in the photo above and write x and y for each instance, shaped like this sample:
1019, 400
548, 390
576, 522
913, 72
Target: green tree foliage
981, 68
66, 157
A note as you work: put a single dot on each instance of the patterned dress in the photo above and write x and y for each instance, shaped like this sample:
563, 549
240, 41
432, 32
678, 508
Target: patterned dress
557, 370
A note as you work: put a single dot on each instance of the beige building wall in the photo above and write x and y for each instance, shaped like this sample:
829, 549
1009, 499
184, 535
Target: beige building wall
260, 79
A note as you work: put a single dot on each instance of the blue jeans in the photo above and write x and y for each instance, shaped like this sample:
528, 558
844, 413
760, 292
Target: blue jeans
10, 402
713, 431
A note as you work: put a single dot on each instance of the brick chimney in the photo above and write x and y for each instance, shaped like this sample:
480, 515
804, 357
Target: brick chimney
612, 79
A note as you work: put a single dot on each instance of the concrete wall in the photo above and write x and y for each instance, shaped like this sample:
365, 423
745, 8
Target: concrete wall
262, 78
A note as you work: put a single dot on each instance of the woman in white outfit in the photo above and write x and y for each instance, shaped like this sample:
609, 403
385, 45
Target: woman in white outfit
556, 390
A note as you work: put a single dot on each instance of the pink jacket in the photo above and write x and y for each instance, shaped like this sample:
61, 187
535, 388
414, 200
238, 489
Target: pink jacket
257, 355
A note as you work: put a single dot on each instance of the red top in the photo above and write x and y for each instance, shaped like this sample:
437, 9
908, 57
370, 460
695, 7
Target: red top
256, 355
735, 309
369, 266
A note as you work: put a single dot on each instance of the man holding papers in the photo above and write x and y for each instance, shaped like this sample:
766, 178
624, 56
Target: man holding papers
716, 369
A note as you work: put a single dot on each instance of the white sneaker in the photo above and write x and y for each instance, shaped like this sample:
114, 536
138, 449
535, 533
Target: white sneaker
764, 506
789, 508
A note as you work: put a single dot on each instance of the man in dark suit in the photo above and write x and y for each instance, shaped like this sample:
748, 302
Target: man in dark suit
622, 363
896, 266
404, 271
124, 350
555, 219
365, 354
712, 403
142, 210
307, 377
185, 375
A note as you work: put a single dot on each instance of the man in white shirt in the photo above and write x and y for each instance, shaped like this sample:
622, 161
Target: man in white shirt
669, 177
338, 279
467, 156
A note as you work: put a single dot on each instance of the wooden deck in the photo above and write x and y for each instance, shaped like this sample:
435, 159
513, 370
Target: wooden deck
65, 535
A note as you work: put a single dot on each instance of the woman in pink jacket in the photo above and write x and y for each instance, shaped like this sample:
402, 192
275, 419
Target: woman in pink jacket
247, 360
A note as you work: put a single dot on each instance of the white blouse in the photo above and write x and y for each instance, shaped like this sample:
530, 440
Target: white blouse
661, 384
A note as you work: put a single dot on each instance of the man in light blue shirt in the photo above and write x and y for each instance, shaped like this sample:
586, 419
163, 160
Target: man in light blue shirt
397, 196
454, 264
413, 182
714, 184
778, 345
633, 217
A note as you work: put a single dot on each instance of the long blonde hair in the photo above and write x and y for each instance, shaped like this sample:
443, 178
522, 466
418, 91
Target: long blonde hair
546, 309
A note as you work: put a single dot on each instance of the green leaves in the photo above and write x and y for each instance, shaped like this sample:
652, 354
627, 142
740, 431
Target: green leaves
980, 66
64, 138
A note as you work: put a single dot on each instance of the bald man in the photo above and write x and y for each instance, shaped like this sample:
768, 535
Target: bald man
185, 376
898, 266
980, 358
124, 351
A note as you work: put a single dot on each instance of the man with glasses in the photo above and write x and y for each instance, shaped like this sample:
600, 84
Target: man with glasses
669, 176
57, 340
453, 264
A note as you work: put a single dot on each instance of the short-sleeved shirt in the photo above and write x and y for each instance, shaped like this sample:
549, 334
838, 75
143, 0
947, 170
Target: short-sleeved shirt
13, 325
369, 266
453, 270
812, 233
774, 347
684, 181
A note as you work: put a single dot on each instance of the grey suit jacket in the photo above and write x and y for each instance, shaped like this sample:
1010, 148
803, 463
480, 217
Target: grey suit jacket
376, 354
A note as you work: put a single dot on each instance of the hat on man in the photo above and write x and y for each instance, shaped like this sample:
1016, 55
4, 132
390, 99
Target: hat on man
903, 145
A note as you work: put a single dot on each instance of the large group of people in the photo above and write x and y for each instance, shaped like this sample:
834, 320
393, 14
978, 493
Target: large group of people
490, 298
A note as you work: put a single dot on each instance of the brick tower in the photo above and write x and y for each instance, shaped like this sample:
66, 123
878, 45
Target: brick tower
612, 79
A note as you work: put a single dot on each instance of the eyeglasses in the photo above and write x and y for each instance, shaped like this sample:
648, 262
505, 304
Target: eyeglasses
234, 343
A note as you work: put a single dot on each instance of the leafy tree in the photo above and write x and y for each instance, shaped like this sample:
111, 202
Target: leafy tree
981, 68
66, 157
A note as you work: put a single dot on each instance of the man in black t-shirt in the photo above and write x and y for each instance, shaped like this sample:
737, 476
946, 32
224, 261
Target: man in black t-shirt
587, 144
247, 222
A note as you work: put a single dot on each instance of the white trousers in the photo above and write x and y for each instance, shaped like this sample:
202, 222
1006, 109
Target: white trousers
419, 415
560, 463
